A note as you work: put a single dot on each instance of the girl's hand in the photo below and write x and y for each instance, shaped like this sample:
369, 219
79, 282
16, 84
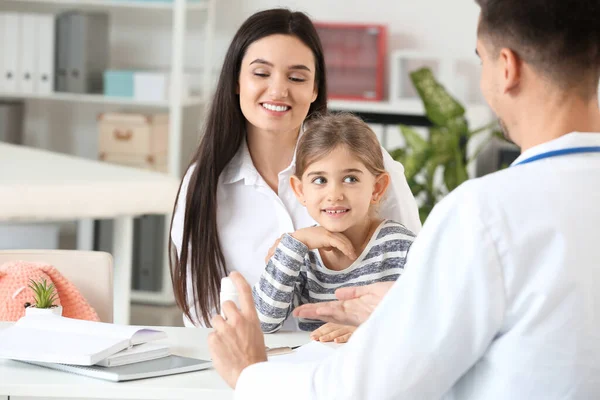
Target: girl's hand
317, 237
333, 332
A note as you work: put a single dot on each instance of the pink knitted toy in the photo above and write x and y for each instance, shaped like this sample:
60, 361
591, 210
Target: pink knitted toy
15, 292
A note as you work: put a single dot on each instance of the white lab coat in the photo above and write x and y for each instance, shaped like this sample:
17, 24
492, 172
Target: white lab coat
500, 298
251, 216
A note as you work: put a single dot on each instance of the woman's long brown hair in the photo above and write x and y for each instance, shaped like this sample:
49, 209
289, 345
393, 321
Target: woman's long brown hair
224, 130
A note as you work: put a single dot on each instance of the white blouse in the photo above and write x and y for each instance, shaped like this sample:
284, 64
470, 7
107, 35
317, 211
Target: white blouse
251, 216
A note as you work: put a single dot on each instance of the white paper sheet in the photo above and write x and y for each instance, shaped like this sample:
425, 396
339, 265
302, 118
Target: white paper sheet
311, 352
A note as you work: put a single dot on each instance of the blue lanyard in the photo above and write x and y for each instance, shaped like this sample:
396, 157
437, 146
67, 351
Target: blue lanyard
561, 152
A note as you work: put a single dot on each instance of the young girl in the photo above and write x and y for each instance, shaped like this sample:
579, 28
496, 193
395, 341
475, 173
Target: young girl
340, 179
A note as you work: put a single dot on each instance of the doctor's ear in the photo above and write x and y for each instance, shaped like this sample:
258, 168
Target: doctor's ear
296, 184
512, 69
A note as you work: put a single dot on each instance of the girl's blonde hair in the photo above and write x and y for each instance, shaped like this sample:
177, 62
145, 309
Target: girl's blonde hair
324, 134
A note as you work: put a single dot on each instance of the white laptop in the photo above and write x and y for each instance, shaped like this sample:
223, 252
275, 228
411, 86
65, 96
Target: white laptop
146, 369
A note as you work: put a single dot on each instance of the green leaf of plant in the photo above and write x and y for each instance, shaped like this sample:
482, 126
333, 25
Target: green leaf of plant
416, 189
458, 127
443, 144
413, 163
455, 173
430, 167
398, 154
440, 106
484, 128
414, 141
44, 295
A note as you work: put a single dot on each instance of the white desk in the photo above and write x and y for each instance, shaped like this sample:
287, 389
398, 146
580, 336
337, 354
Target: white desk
20, 379
38, 185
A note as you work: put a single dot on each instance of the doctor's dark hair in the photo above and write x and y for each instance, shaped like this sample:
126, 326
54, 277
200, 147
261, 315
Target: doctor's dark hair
223, 133
559, 38
324, 134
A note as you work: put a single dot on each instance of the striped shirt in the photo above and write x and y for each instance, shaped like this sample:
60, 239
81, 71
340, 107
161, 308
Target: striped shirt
296, 275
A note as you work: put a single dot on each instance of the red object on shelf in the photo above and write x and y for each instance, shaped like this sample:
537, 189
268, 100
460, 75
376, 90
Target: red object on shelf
355, 57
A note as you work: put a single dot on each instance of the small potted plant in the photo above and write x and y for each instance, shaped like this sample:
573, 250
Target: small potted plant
44, 296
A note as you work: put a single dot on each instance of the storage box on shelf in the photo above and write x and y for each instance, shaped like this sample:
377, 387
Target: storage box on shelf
355, 57
142, 85
137, 140
118, 83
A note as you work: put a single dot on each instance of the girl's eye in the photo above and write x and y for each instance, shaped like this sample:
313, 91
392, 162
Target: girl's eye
319, 180
350, 179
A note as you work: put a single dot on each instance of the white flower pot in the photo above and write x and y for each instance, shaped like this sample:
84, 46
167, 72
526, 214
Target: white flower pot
44, 311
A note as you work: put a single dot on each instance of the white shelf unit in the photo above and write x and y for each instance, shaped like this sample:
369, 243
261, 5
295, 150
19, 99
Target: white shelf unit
100, 99
200, 5
175, 105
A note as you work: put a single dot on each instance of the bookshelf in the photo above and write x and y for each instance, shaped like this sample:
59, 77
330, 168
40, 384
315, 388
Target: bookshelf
181, 11
100, 99
165, 5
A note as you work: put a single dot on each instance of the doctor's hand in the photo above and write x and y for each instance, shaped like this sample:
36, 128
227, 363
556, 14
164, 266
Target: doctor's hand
237, 342
354, 307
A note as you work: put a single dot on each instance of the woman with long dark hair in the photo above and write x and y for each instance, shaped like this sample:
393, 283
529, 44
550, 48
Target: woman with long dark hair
235, 199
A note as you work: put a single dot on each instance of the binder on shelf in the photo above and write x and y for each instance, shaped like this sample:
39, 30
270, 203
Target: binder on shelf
28, 53
11, 125
2, 55
63, 23
45, 49
87, 52
148, 248
9, 74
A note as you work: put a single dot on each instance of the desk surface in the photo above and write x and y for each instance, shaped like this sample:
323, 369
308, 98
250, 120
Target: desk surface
20, 379
38, 185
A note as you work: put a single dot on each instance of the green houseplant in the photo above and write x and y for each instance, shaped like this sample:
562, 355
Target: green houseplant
44, 297
444, 152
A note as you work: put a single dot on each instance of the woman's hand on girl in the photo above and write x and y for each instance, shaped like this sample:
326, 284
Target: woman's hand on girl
317, 237
331, 332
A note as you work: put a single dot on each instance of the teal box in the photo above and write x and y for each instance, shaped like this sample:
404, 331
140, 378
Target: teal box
118, 83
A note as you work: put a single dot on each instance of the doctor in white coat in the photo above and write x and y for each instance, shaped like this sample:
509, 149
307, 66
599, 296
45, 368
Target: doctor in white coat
501, 294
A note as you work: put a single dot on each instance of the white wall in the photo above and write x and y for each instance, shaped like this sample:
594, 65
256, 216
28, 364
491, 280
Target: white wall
440, 26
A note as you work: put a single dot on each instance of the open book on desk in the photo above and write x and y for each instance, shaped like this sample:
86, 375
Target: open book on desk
55, 339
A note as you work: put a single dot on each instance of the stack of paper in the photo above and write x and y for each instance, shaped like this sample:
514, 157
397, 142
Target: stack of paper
138, 353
